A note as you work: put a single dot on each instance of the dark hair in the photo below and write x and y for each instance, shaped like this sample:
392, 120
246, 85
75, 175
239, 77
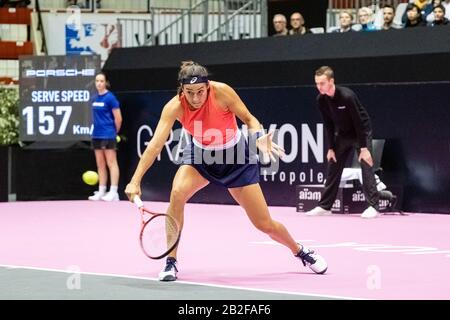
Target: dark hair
325, 70
108, 85
389, 6
441, 7
190, 69
412, 6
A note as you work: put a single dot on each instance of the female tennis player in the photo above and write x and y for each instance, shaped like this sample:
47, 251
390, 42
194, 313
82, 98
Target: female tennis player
219, 154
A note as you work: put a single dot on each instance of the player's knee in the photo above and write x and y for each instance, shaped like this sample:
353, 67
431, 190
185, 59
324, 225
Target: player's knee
266, 226
178, 195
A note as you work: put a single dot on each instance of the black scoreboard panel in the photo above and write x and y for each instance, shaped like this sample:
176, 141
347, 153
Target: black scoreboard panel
55, 95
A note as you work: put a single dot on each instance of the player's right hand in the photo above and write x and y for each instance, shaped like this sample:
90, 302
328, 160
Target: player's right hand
132, 189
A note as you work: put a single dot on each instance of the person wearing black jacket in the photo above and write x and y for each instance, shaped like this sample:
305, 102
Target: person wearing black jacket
347, 126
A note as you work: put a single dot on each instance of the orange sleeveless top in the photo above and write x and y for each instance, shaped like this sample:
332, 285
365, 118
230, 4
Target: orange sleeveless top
209, 125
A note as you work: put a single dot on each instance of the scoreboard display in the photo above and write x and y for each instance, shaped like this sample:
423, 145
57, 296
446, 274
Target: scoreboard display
55, 95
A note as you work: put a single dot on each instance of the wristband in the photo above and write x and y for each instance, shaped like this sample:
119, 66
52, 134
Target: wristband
258, 134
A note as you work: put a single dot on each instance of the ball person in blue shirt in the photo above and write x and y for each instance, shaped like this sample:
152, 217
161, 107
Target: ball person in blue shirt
107, 119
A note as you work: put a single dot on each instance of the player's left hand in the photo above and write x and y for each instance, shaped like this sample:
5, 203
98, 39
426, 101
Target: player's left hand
366, 156
268, 147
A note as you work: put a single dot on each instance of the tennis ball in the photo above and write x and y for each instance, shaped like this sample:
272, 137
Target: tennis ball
118, 139
90, 177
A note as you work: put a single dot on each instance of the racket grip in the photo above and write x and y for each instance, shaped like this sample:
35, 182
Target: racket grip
138, 202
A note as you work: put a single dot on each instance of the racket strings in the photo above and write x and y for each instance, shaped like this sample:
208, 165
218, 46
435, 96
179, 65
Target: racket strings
159, 236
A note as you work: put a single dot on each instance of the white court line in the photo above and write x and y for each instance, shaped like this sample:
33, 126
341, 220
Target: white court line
183, 282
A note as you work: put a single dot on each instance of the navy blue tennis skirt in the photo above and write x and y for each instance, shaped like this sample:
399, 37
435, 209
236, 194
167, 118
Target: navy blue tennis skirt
234, 167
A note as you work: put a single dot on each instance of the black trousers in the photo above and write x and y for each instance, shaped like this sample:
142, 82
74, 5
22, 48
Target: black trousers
345, 148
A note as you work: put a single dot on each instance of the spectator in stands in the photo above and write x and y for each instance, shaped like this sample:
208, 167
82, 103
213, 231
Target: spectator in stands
423, 7
365, 18
434, 3
107, 120
279, 24
347, 126
388, 18
430, 6
439, 17
345, 21
298, 25
414, 17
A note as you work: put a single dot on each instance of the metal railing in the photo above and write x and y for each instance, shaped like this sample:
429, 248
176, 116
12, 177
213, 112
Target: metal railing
246, 18
95, 5
203, 20
142, 6
40, 28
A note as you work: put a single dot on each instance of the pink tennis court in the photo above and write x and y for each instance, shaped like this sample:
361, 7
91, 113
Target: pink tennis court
390, 257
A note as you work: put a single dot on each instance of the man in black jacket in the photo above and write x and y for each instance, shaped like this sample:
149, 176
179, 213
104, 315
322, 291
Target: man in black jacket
347, 126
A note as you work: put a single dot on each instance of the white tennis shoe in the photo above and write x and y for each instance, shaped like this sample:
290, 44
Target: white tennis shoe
169, 273
318, 211
315, 262
97, 196
369, 213
111, 196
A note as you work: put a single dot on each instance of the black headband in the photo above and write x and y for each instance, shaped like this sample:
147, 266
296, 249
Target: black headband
194, 79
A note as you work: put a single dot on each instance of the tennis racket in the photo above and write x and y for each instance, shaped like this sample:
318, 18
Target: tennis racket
159, 234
